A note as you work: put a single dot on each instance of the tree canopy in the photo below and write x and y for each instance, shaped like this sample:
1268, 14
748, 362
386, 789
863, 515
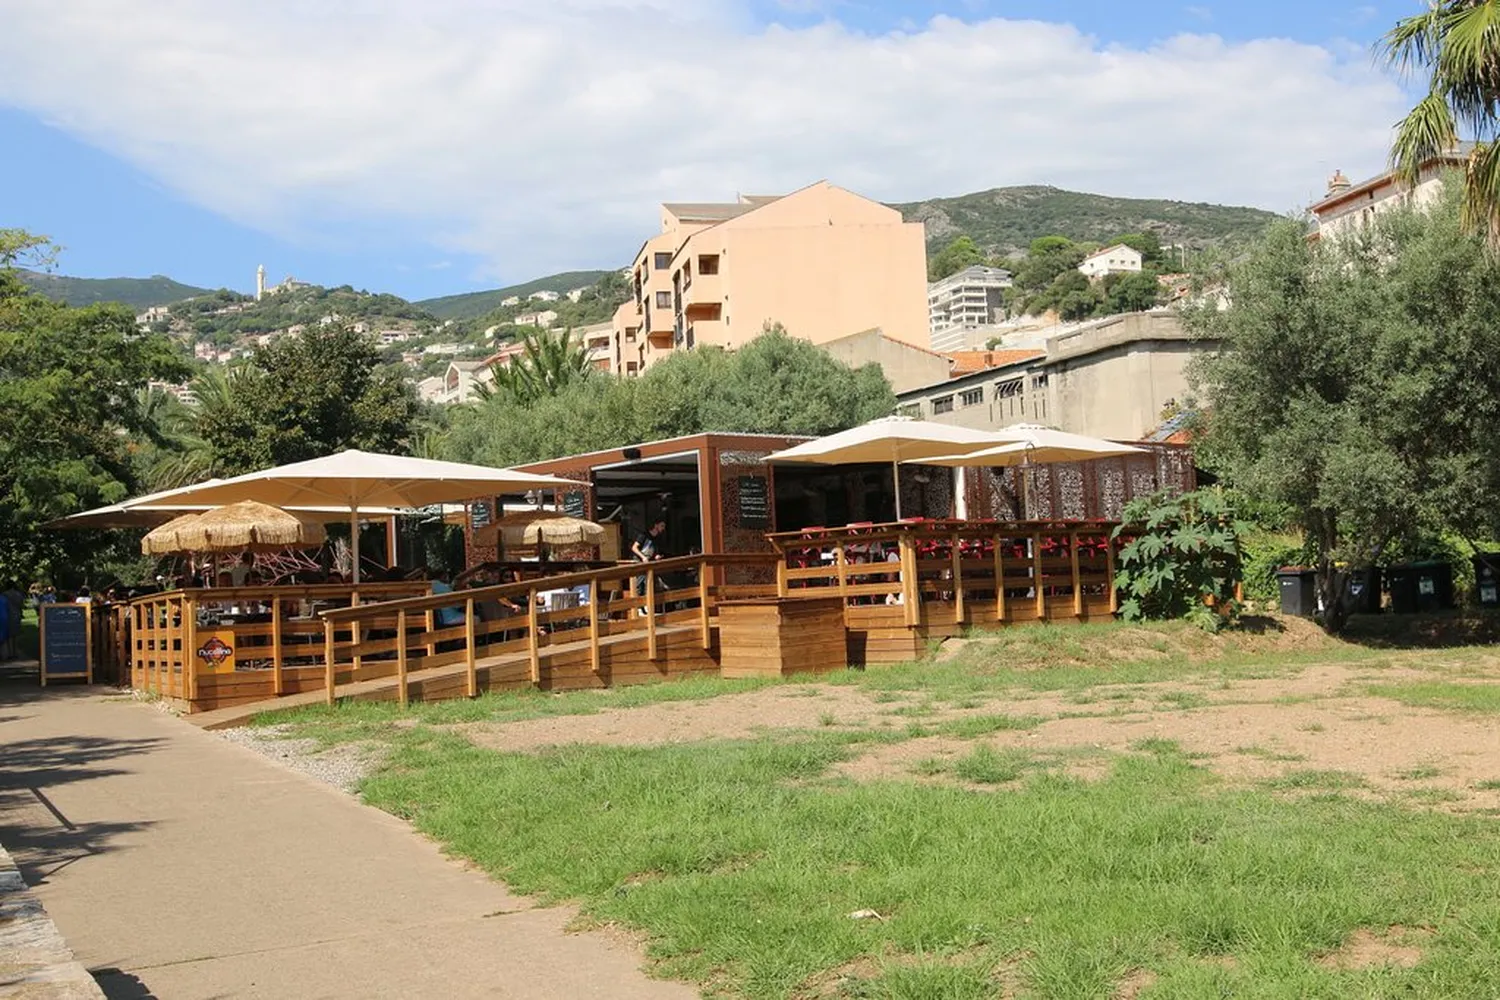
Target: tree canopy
776, 384
306, 396
69, 380
1358, 388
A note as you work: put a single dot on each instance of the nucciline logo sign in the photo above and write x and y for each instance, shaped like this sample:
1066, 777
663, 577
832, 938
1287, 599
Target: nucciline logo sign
215, 651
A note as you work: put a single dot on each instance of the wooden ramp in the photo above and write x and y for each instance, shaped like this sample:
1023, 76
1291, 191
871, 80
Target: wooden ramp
567, 666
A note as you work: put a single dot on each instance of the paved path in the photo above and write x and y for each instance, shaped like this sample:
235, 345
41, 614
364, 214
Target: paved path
178, 865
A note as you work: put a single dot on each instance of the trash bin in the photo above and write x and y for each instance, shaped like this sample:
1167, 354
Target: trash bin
1487, 579
1362, 591
1423, 586
1299, 591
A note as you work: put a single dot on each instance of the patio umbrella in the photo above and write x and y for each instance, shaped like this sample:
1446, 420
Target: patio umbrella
889, 439
1033, 444
355, 479
166, 538
249, 525
560, 531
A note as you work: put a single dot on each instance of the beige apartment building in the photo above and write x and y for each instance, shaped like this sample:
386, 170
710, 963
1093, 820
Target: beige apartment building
822, 261
1349, 208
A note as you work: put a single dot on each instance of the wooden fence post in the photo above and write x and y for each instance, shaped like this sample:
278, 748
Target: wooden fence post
1077, 576
431, 627
401, 691
1037, 575
471, 665
356, 634
841, 564
650, 613
190, 649
594, 660
704, 622
328, 663
278, 682
1109, 568
781, 582
999, 579
956, 554
533, 628
911, 589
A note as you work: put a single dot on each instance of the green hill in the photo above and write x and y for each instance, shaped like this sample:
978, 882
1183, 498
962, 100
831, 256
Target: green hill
1005, 220
222, 317
138, 293
471, 305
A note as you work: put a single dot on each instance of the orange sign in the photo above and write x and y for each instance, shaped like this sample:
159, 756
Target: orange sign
216, 653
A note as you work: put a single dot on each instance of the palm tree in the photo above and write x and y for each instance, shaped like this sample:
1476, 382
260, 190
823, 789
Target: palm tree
1457, 43
182, 455
548, 365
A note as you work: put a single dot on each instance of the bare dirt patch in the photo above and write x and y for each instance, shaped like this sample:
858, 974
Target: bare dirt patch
1397, 946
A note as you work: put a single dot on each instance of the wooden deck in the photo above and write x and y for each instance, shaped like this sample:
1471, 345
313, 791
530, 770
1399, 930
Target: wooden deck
896, 587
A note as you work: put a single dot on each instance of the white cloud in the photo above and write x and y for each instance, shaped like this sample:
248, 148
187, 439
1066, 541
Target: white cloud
542, 135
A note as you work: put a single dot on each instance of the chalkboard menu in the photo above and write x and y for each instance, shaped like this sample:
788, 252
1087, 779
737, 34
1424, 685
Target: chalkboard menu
755, 502
65, 642
480, 514
575, 504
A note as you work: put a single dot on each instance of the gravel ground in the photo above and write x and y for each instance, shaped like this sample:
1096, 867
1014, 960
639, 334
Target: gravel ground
342, 766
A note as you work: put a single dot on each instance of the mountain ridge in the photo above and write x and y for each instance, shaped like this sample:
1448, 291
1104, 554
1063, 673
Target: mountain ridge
138, 293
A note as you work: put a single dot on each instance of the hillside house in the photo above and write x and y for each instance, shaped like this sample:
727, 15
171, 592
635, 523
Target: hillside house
1118, 259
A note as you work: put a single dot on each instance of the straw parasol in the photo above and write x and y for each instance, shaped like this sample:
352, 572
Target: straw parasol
560, 531
249, 525
889, 439
166, 539
355, 479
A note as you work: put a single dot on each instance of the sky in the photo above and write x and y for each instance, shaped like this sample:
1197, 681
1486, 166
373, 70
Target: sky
454, 145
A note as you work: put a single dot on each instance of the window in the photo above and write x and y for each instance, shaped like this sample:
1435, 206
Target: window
663, 300
1009, 388
1039, 381
943, 404
663, 261
971, 397
630, 368
708, 264
630, 334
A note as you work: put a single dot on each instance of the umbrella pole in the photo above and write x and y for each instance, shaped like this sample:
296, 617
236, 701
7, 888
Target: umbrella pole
354, 542
896, 474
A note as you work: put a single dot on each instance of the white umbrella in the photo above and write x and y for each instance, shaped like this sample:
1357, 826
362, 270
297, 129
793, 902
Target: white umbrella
890, 439
1033, 444
356, 479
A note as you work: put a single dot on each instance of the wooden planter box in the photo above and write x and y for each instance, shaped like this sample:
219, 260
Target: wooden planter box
775, 636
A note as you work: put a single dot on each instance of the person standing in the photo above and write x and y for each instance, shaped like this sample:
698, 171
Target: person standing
645, 549
15, 606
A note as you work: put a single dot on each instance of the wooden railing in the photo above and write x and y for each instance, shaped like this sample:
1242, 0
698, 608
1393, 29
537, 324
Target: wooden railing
271, 636
400, 637
970, 572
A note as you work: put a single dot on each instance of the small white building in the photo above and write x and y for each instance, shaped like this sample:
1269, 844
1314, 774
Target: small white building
442, 350
576, 294
543, 319
1348, 208
1118, 259
510, 300
389, 337
543, 296
430, 389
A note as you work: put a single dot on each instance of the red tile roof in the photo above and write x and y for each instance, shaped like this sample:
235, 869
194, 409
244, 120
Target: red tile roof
969, 362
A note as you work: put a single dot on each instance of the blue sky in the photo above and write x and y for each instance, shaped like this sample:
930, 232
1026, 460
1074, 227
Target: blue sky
394, 156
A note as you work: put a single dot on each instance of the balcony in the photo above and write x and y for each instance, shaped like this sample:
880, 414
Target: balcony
704, 289
658, 327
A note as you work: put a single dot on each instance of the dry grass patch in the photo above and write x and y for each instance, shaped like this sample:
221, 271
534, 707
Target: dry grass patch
1395, 947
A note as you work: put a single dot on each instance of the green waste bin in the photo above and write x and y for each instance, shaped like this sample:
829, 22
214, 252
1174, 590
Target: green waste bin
1299, 591
1487, 579
1420, 586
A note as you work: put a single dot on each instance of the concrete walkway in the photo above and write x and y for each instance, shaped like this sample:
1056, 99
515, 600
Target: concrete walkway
178, 865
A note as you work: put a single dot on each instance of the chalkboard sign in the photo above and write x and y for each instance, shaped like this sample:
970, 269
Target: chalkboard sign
479, 514
755, 502
65, 642
576, 503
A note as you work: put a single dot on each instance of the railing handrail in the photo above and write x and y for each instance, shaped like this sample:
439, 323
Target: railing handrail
268, 590
946, 528
559, 582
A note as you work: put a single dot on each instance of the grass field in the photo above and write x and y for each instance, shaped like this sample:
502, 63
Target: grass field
1055, 813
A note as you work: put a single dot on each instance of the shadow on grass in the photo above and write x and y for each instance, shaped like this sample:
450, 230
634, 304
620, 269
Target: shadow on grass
1436, 630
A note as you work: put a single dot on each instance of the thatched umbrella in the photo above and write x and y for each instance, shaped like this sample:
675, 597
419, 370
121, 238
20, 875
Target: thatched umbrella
249, 524
166, 539
561, 531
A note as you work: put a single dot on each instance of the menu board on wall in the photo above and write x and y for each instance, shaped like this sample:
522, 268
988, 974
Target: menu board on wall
575, 503
754, 501
480, 514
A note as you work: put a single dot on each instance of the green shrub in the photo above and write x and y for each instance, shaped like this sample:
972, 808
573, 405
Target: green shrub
1183, 559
